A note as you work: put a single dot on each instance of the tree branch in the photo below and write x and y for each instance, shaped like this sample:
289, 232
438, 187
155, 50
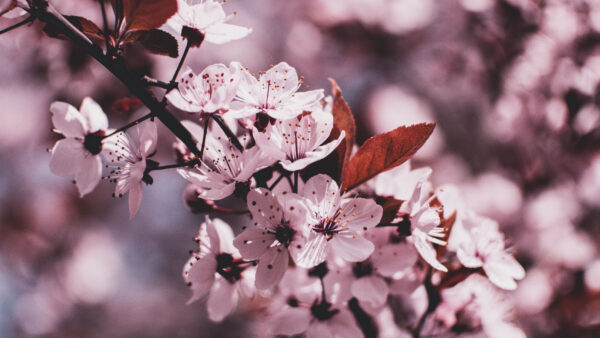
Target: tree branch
46, 13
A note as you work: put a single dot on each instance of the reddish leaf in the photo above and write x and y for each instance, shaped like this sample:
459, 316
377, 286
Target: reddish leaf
342, 120
86, 26
390, 209
126, 104
384, 152
147, 14
155, 41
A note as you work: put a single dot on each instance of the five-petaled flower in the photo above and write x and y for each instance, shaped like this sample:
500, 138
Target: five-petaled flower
275, 93
336, 221
79, 152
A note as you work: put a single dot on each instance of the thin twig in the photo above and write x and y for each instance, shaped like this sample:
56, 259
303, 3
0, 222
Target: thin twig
131, 124
18, 24
182, 60
105, 30
219, 119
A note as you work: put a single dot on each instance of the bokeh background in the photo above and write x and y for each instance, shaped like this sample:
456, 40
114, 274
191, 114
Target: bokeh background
512, 84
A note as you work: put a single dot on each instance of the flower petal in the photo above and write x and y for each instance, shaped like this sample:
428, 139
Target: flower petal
88, 174
312, 253
94, 115
67, 120
265, 209
370, 289
360, 214
291, 321
222, 299
253, 242
66, 157
351, 246
502, 269
201, 276
223, 33
392, 259
135, 199
426, 250
271, 267
323, 193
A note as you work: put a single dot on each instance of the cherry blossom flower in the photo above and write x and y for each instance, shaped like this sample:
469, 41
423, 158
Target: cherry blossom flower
128, 157
300, 309
218, 268
204, 20
369, 280
78, 153
297, 142
475, 303
223, 165
483, 247
335, 221
277, 229
424, 223
208, 92
275, 93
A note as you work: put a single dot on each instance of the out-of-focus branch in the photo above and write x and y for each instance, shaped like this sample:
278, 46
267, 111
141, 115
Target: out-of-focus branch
433, 298
17, 25
45, 12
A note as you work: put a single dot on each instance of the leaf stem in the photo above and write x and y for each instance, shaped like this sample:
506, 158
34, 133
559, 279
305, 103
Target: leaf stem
109, 49
18, 24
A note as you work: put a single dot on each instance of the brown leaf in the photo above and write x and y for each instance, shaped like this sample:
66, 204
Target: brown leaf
384, 152
155, 41
342, 120
390, 207
84, 25
126, 104
147, 14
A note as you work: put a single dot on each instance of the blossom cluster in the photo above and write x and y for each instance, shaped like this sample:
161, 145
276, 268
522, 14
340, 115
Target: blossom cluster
332, 229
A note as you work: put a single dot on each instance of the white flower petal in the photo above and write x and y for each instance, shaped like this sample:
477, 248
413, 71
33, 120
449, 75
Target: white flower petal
291, 321
223, 33
312, 253
370, 289
360, 214
66, 157
135, 199
502, 270
253, 242
265, 209
88, 174
351, 246
393, 258
306, 99
222, 300
323, 193
201, 276
271, 267
94, 115
426, 250
67, 120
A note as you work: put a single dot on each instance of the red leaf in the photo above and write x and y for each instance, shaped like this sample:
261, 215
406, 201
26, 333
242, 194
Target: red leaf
83, 24
155, 41
384, 152
147, 14
126, 104
342, 120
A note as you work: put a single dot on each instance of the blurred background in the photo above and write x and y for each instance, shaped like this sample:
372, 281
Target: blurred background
512, 84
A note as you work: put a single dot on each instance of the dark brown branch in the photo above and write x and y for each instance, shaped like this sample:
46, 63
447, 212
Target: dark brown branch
44, 11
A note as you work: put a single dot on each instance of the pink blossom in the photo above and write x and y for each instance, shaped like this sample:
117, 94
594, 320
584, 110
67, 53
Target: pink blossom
78, 153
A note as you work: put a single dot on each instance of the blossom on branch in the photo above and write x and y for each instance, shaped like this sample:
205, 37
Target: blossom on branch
210, 91
204, 20
275, 93
278, 229
217, 267
127, 155
298, 142
79, 152
336, 222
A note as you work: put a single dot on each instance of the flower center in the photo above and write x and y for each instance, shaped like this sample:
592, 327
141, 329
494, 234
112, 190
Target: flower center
93, 142
229, 268
328, 226
362, 269
284, 234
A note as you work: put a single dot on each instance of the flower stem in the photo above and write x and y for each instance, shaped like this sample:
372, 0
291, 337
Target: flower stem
181, 61
131, 124
204, 138
274, 184
296, 177
433, 298
173, 166
18, 24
